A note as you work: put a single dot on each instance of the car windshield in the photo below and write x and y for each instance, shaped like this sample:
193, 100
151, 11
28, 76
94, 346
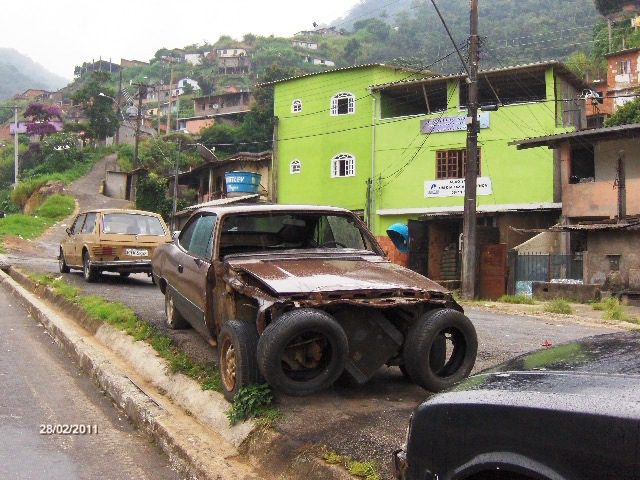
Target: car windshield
132, 224
299, 230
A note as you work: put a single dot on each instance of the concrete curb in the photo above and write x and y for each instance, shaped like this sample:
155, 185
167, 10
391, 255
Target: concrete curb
197, 449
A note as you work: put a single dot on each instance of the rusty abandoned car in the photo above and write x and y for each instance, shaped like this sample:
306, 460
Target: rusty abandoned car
112, 240
563, 413
299, 295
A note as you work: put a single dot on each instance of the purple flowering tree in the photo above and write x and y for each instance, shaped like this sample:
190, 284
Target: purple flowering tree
40, 119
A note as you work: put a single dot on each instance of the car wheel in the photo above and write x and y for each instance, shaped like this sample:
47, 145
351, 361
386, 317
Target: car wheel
175, 320
125, 274
90, 274
62, 263
302, 352
437, 356
237, 344
423, 350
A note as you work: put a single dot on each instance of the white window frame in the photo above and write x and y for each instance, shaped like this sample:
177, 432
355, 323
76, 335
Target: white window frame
295, 167
349, 168
335, 101
296, 106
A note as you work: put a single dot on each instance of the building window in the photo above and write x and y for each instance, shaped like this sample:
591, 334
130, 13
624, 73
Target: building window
624, 67
343, 165
452, 163
582, 165
296, 106
343, 104
295, 167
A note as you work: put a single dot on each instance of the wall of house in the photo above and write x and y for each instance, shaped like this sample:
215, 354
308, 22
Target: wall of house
620, 84
407, 157
602, 244
194, 126
313, 136
599, 198
115, 185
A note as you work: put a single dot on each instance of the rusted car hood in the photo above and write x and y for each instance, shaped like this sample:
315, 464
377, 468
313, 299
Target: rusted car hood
309, 275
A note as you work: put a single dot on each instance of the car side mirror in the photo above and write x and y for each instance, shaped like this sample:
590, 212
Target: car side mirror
68, 230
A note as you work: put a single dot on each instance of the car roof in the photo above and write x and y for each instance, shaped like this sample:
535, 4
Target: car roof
120, 210
259, 208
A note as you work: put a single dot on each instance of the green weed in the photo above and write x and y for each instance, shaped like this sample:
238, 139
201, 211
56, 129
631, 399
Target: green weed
559, 305
250, 402
366, 469
516, 299
56, 207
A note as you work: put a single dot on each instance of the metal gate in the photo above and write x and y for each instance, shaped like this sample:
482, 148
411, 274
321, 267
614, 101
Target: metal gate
535, 267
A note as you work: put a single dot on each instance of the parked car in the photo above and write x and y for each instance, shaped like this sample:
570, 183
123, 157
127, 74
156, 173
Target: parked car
567, 412
300, 295
112, 240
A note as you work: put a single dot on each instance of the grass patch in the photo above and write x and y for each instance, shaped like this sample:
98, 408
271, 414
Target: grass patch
517, 299
559, 305
124, 318
614, 310
53, 209
367, 469
253, 401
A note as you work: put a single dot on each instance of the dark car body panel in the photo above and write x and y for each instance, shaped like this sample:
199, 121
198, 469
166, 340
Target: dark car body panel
568, 412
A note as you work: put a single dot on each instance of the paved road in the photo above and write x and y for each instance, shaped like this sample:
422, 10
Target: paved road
42, 386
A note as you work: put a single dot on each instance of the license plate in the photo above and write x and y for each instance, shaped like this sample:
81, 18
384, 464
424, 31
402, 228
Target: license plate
136, 252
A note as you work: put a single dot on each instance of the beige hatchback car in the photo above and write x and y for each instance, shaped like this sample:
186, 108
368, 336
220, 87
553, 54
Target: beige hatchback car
112, 240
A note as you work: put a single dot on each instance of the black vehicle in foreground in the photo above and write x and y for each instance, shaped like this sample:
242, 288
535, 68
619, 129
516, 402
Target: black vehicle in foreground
567, 412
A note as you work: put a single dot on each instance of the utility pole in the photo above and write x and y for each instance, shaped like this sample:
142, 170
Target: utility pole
142, 90
174, 205
118, 107
15, 147
169, 110
470, 247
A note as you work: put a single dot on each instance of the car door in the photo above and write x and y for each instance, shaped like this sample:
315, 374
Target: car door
186, 270
69, 247
86, 234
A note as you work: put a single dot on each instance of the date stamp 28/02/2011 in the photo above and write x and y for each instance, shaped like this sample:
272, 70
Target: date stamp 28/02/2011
68, 429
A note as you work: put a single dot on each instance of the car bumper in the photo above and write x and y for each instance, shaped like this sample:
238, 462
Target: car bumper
400, 465
131, 266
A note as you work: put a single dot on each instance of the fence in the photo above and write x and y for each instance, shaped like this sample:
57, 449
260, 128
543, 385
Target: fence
544, 268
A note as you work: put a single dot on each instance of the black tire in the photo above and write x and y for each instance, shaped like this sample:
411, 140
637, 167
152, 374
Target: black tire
305, 326
237, 362
62, 263
437, 357
91, 275
125, 274
175, 320
430, 370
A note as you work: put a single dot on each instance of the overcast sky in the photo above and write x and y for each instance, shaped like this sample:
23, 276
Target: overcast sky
63, 33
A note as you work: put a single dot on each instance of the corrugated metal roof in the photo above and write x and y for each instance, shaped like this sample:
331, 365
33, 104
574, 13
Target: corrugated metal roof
342, 69
605, 133
220, 202
562, 69
627, 223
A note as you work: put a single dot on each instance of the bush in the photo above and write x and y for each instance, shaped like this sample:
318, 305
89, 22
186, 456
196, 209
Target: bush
250, 402
151, 195
125, 157
56, 207
559, 305
25, 189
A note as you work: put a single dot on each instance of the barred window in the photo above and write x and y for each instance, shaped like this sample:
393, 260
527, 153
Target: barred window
343, 104
296, 106
343, 165
453, 163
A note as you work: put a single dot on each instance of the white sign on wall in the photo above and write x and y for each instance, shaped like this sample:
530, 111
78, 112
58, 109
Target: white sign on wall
451, 124
454, 187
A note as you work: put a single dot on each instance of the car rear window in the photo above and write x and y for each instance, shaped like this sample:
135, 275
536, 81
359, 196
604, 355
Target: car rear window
132, 224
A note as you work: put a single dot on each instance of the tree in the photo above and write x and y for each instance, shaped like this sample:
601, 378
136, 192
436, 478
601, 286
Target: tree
607, 7
352, 50
41, 116
626, 114
103, 119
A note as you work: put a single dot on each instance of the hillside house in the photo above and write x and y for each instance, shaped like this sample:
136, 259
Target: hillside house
319, 61
231, 61
600, 182
180, 86
208, 179
224, 104
307, 44
390, 143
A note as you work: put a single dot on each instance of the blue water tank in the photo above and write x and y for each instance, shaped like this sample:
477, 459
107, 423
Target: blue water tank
399, 235
242, 183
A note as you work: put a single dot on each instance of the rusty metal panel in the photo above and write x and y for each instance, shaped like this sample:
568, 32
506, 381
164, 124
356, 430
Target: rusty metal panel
493, 270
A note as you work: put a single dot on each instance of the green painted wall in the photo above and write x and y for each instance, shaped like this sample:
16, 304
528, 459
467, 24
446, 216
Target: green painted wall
404, 157
313, 136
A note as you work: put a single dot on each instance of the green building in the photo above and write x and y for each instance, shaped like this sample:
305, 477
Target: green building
380, 141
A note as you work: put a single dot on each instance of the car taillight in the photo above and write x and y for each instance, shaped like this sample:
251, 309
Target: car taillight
106, 251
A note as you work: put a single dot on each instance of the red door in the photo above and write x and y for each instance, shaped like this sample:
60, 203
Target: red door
493, 271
